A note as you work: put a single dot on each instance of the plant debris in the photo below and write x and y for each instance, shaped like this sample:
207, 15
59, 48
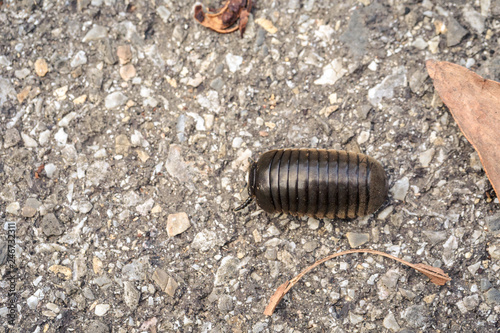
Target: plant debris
437, 275
474, 102
223, 19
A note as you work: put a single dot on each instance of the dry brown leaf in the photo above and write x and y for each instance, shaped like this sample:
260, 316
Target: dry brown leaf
437, 275
223, 19
474, 102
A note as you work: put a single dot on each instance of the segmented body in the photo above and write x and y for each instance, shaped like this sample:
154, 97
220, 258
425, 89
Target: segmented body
318, 183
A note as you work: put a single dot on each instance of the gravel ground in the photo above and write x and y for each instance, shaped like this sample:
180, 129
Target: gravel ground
125, 134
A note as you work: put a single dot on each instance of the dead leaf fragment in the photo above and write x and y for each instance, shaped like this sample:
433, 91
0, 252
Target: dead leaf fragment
223, 20
437, 275
474, 102
267, 25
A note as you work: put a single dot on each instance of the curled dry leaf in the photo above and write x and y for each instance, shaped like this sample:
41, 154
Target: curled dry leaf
474, 102
223, 19
437, 275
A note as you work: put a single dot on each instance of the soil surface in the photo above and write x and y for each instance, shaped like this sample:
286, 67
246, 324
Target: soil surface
126, 130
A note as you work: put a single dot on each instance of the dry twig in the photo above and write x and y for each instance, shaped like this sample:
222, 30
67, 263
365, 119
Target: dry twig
437, 275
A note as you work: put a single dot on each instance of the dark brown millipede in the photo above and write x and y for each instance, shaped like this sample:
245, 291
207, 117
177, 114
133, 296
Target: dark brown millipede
317, 182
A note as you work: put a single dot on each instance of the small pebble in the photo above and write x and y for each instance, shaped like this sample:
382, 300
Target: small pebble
400, 189
357, 239
177, 223
115, 100
124, 53
101, 309
127, 72
97, 32
79, 59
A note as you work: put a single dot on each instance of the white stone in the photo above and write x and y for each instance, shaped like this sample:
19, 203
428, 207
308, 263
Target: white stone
164, 13
28, 141
101, 309
79, 59
363, 137
400, 189
50, 169
44, 137
13, 208
115, 100
233, 62
97, 32
391, 323
66, 119
32, 302
61, 137
331, 73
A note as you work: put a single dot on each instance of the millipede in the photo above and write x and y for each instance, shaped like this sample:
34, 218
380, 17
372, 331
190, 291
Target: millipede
321, 183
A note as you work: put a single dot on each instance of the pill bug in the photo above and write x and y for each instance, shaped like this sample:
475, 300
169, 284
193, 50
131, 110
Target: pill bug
317, 182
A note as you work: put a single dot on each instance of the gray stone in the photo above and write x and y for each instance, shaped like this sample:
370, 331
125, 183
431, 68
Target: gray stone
13, 208
356, 35
164, 13
97, 326
103, 281
225, 303
79, 59
455, 32
400, 189
97, 32
391, 323
471, 302
29, 142
217, 84
435, 236
96, 173
22, 73
137, 269
131, 295
385, 89
51, 226
6, 91
356, 239
30, 207
146, 207
475, 19
493, 223
227, 271
160, 277
417, 82
415, 316
485, 284
259, 327
179, 33
425, 157
494, 250
493, 296
114, 100
88, 294
11, 137
310, 246
271, 253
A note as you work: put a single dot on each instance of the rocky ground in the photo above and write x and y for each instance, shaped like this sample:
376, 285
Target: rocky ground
125, 134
